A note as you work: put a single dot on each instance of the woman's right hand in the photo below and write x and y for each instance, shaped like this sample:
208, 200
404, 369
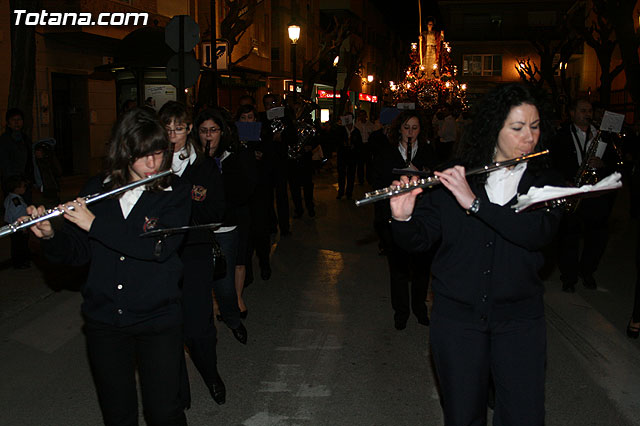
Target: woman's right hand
41, 229
402, 205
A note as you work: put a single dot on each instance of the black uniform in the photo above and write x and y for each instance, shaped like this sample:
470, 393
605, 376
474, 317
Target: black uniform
404, 267
488, 311
131, 307
589, 221
347, 146
207, 201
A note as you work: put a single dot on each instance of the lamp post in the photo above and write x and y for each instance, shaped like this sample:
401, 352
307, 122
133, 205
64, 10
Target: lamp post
294, 35
335, 84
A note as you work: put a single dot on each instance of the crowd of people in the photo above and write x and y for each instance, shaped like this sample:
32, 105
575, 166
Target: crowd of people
147, 298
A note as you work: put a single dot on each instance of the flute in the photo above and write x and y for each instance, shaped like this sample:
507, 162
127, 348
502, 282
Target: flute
392, 190
54, 212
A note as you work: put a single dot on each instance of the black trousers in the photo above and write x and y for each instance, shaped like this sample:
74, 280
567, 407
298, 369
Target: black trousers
589, 222
20, 249
405, 268
197, 305
155, 347
466, 355
636, 297
259, 233
280, 178
363, 166
301, 179
346, 171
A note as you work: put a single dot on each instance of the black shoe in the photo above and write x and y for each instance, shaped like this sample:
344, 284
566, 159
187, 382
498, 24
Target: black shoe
339, 197
400, 324
218, 390
589, 282
240, 333
424, 320
219, 317
632, 332
348, 197
312, 213
265, 273
243, 314
569, 286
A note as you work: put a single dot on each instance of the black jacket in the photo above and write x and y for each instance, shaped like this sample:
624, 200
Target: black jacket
486, 266
207, 198
565, 157
130, 280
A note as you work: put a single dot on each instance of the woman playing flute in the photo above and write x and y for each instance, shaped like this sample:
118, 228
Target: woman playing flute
487, 320
131, 308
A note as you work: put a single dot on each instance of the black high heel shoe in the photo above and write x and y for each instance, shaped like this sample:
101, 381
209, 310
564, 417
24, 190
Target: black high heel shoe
240, 333
218, 390
243, 314
632, 332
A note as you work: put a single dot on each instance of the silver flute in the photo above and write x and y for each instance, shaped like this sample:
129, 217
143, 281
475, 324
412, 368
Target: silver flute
54, 212
428, 182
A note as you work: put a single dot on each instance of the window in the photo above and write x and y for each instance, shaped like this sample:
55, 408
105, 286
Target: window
484, 65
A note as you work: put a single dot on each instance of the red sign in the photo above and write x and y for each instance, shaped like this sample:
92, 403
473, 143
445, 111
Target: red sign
327, 94
367, 97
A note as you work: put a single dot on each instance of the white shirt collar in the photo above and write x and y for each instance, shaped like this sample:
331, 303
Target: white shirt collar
403, 150
502, 184
180, 160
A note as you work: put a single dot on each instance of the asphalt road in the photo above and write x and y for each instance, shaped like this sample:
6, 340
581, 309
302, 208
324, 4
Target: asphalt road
322, 348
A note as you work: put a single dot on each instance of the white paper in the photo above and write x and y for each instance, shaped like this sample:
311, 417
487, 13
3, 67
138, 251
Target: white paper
546, 193
406, 105
275, 112
612, 122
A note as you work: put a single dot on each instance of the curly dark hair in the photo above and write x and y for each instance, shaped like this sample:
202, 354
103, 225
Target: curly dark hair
478, 144
403, 117
137, 133
245, 109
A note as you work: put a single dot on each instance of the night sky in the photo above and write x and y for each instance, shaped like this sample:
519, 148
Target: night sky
402, 16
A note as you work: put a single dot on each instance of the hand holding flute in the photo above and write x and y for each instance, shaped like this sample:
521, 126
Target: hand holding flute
454, 179
75, 212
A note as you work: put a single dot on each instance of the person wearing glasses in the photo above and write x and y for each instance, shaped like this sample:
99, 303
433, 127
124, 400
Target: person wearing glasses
132, 310
207, 206
219, 139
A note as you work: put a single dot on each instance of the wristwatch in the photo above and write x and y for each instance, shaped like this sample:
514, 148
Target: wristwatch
474, 207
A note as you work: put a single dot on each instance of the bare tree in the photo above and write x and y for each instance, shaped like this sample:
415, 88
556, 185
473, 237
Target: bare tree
322, 62
598, 33
351, 59
239, 18
622, 16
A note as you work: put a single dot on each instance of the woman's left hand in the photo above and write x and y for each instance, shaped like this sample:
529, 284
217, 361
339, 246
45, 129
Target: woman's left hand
454, 180
80, 215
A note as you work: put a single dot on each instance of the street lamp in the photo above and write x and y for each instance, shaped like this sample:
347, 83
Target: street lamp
335, 84
294, 36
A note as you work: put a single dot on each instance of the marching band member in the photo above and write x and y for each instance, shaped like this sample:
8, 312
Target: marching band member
131, 308
488, 313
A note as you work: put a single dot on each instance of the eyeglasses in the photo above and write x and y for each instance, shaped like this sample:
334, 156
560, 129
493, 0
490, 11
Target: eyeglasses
207, 131
178, 130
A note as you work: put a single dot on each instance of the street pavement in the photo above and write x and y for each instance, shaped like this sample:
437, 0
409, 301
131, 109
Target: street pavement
322, 348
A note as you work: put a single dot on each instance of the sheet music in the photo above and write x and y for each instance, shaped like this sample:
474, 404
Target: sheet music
537, 195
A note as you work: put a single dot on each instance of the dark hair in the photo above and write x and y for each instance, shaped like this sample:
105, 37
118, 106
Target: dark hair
222, 118
137, 133
403, 117
269, 95
250, 98
574, 103
178, 113
13, 182
12, 112
477, 147
245, 109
